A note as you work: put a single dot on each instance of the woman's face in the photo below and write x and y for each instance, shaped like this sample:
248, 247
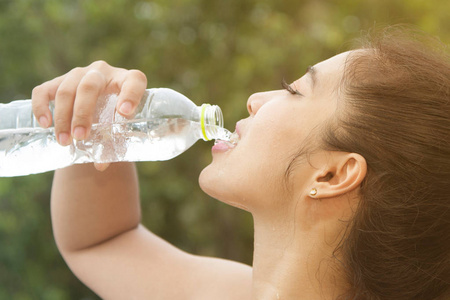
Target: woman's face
252, 174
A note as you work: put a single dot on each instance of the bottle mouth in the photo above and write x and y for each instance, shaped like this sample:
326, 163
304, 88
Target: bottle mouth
211, 120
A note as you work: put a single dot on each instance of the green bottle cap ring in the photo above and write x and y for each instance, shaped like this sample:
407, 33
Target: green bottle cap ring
202, 121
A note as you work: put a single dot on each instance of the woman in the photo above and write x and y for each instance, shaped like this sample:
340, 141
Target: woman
346, 172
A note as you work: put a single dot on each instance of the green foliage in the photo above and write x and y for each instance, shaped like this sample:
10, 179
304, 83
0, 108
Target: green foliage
212, 51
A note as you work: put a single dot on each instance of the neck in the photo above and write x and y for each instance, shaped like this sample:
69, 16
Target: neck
291, 262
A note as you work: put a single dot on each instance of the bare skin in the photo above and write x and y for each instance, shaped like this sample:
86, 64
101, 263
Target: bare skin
96, 215
96, 220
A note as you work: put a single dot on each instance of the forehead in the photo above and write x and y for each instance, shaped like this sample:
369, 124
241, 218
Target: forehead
334, 63
329, 72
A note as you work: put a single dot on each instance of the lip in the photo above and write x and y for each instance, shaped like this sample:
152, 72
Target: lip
222, 146
237, 129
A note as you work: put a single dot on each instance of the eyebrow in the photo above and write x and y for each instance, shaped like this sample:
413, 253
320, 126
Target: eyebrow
312, 73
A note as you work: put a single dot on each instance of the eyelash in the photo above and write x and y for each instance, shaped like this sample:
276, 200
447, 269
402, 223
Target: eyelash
288, 88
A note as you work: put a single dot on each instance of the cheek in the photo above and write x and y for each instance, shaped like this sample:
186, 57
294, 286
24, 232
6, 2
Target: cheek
249, 176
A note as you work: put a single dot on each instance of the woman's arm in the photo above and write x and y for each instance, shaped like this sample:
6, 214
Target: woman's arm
90, 207
96, 215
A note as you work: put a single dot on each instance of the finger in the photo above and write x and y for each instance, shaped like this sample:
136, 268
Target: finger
91, 86
101, 166
132, 90
41, 97
64, 101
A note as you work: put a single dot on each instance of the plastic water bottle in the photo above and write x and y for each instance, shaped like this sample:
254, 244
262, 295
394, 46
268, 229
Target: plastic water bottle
165, 125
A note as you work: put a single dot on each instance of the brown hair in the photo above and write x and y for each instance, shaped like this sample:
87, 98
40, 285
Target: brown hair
396, 94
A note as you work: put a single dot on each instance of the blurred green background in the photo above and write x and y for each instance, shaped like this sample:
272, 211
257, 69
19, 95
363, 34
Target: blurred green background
210, 50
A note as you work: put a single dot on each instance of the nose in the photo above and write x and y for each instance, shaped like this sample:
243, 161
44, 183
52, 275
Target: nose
257, 100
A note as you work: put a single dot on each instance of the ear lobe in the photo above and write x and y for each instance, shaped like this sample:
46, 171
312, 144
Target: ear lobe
344, 173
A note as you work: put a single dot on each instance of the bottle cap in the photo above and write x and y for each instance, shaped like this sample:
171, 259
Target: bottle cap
211, 119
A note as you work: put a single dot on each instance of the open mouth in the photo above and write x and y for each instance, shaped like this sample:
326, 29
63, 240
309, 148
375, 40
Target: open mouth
230, 143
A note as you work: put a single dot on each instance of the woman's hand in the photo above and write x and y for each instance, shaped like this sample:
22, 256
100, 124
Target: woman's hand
76, 94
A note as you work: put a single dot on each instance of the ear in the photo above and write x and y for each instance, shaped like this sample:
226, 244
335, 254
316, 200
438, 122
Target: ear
342, 173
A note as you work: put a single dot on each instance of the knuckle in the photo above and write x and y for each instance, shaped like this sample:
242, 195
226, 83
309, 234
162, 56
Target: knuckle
76, 70
37, 90
82, 117
99, 64
64, 93
137, 74
88, 86
61, 124
38, 108
133, 96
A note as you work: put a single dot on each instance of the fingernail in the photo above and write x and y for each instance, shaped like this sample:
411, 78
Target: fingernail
43, 121
126, 108
79, 133
101, 166
64, 138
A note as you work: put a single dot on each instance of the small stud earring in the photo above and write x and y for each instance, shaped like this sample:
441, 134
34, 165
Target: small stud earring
313, 192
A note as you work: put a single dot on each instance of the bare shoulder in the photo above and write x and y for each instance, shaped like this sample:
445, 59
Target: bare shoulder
140, 265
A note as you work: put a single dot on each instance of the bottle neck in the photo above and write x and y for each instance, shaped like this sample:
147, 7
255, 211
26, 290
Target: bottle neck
211, 121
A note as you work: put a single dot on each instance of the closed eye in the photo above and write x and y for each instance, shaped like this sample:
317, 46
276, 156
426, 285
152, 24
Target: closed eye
288, 88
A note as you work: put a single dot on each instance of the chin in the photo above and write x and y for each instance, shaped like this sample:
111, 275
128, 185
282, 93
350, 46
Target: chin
211, 183
216, 184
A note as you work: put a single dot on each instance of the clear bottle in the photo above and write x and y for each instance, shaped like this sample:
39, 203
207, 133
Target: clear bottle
165, 125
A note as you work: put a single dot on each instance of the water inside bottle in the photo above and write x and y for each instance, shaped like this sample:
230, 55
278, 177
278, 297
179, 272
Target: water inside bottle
35, 150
